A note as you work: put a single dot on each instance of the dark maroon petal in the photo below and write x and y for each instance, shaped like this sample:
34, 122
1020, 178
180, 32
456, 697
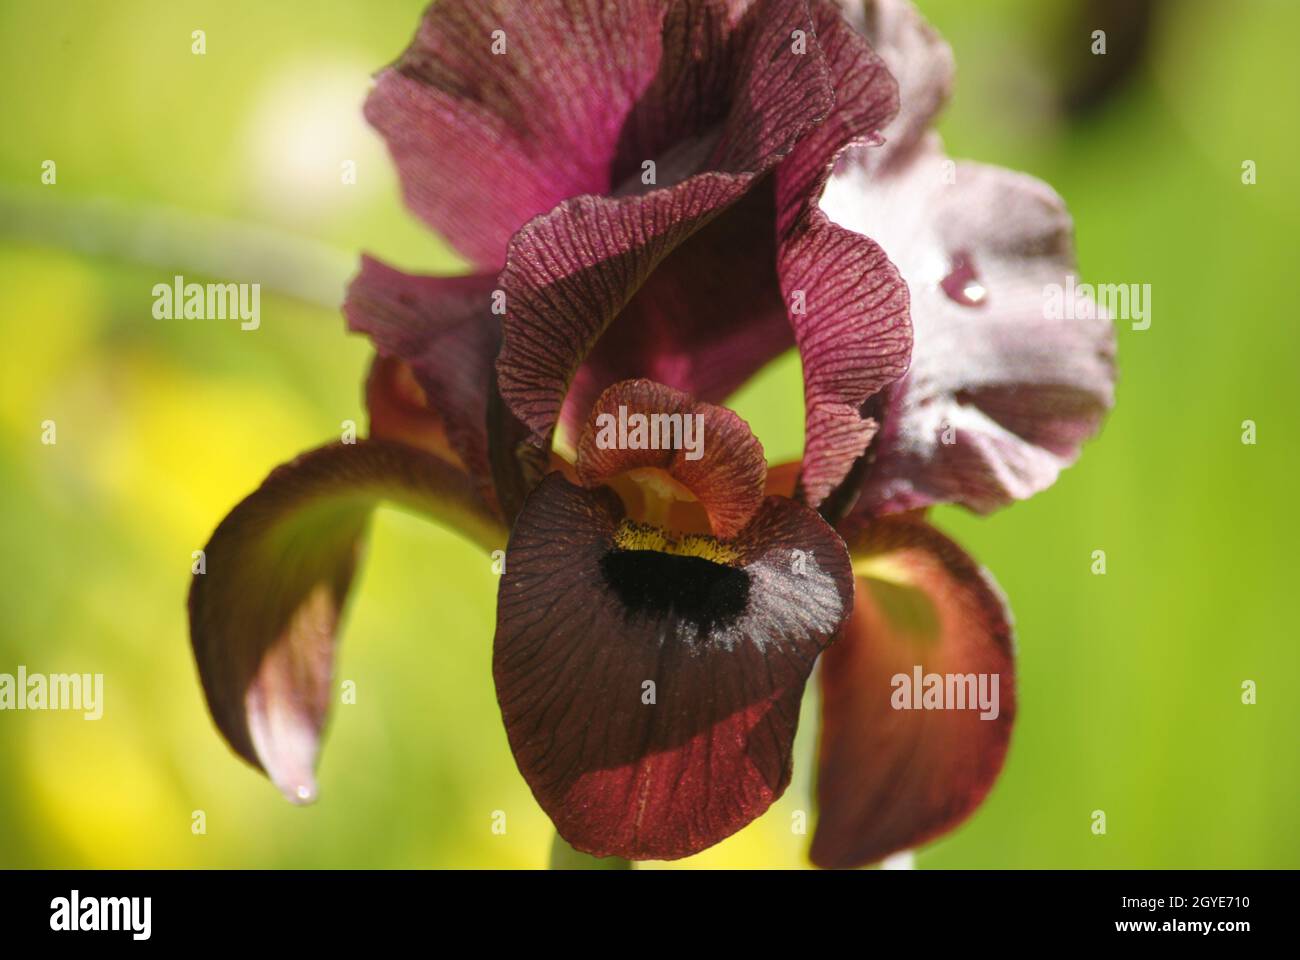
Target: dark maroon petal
1000, 396
517, 463
725, 471
484, 141
592, 610
443, 330
570, 272
890, 779
918, 58
866, 100
705, 320
748, 97
848, 305
854, 340
264, 614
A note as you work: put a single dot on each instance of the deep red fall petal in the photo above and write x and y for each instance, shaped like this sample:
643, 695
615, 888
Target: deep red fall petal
706, 449
265, 612
891, 778
650, 694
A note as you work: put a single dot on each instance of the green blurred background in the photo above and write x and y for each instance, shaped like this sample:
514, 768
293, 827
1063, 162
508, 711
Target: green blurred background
226, 166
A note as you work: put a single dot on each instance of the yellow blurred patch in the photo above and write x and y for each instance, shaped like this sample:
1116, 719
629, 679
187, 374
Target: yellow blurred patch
51, 314
95, 791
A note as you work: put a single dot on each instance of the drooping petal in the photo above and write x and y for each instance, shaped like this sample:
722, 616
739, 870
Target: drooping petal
846, 301
892, 776
650, 695
500, 109
712, 454
445, 335
264, 614
648, 257
1002, 390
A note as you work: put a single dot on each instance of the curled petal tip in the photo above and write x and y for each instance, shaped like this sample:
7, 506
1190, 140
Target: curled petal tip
300, 793
304, 794
287, 744
297, 786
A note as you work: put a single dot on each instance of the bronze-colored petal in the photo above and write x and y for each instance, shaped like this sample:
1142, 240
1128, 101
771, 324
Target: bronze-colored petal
264, 615
898, 765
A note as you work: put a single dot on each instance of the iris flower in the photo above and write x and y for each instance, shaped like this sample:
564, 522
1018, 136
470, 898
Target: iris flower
656, 197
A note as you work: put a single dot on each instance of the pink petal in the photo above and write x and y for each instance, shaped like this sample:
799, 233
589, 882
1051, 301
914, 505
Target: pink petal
485, 141
1000, 397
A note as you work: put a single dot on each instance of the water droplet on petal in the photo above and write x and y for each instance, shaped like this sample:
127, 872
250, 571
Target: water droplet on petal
962, 284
